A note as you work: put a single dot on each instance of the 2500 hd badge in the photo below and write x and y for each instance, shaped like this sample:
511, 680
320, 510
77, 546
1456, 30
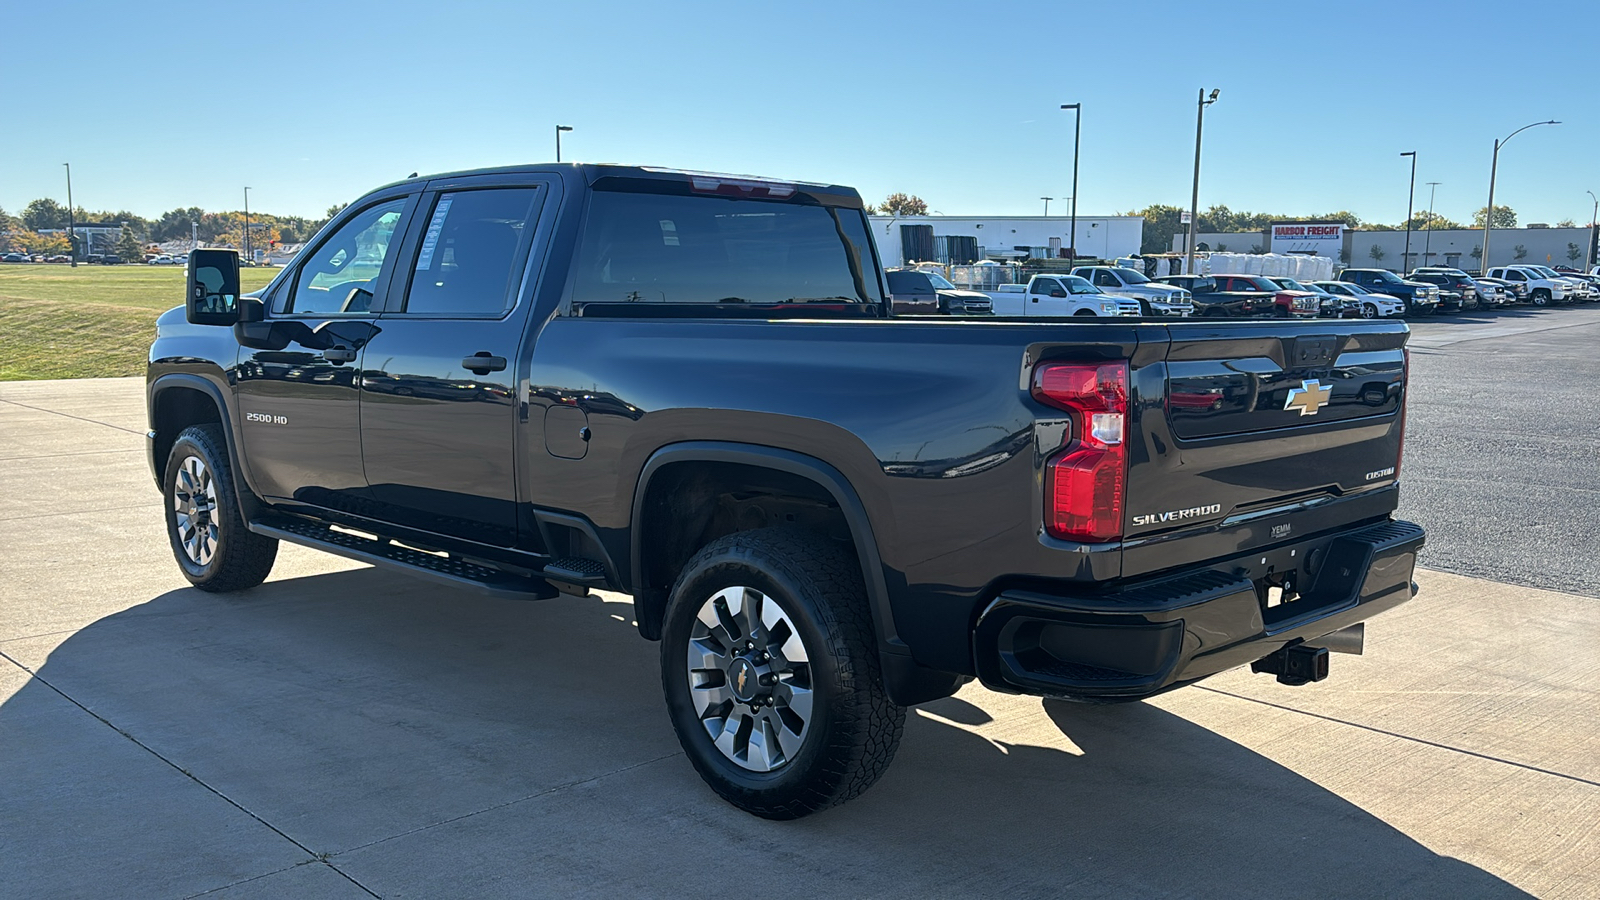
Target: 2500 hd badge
1177, 515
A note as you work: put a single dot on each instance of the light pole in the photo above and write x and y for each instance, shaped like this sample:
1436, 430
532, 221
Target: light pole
1077, 133
194, 236
1488, 212
559, 129
1411, 196
247, 224
1194, 200
1428, 241
1047, 205
1594, 222
72, 225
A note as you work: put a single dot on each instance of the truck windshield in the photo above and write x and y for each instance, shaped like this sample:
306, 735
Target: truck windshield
1079, 285
940, 283
1129, 276
666, 248
1386, 277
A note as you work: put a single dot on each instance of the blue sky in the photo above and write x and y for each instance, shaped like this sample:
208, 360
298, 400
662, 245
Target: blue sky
956, 102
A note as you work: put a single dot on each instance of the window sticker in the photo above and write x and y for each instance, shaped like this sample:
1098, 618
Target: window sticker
435, 227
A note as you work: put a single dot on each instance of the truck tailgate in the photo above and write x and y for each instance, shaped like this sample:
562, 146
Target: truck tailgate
1255, 433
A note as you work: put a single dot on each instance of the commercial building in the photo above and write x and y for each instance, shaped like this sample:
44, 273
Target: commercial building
92, 239
1456, 248
1463, 248
966, 239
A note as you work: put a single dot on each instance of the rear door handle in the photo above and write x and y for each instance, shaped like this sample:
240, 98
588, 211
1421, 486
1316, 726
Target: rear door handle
481, 363
338, 355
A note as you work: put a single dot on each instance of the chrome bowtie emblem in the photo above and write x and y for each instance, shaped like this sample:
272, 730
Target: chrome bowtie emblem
1309, 397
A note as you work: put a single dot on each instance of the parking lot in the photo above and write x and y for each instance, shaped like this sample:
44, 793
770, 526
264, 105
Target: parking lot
346, 731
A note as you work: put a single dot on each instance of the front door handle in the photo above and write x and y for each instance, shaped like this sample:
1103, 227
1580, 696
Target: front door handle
338, 355
481, 363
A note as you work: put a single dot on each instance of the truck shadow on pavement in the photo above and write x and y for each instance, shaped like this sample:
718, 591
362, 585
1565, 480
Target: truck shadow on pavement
433, 743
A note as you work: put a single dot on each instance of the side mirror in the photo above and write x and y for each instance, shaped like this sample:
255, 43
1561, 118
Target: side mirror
213, 289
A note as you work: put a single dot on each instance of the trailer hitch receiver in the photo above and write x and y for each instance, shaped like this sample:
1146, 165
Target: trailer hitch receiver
1296, 664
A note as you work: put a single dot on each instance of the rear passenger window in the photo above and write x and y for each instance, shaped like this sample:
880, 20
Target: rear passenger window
704, 249
468, 262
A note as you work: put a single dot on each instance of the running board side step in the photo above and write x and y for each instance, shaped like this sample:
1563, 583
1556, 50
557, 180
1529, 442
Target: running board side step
448, 570
577, 571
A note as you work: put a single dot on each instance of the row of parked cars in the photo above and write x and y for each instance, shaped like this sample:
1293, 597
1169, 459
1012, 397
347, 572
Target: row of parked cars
1355, 294
34, 257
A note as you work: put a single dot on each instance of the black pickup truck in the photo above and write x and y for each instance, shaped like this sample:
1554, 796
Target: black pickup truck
689, 388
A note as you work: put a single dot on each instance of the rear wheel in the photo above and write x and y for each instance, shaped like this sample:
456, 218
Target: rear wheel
209, 539
771, 674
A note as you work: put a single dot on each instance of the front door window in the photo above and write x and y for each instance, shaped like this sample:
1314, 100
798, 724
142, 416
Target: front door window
338, 277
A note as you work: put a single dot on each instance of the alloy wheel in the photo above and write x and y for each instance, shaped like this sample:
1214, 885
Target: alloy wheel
194, 500
750, 678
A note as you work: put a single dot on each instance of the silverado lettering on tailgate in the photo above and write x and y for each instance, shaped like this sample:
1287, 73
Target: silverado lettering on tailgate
1178, 515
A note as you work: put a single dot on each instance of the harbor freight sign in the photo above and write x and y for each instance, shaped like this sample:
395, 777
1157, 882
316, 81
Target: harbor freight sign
1308, 238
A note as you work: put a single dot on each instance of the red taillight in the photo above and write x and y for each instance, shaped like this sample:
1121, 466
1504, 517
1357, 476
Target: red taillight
1085, 481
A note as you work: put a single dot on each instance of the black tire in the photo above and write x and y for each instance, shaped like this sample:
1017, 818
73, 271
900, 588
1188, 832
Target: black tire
238, 558
1369, 310
853, 729
1541, 297
1085, 312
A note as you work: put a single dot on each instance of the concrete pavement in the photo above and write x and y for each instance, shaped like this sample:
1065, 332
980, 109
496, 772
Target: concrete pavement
344, 731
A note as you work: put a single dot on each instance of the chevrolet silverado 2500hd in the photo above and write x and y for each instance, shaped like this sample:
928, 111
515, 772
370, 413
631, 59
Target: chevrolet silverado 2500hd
688, 388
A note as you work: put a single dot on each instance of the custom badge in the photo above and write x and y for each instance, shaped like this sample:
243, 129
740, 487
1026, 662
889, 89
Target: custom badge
1309, 397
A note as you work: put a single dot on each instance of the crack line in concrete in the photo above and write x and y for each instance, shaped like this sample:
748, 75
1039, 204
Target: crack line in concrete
80, 512
1403, 737
73, 453
235, 884
533, 796
320, 857
56, 412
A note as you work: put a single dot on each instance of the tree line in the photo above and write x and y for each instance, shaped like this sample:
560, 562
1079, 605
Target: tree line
22, 230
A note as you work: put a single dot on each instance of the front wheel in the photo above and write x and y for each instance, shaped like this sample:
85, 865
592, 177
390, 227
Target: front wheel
1541, 297
1369, 310
213, 547
770, 668
1085, 312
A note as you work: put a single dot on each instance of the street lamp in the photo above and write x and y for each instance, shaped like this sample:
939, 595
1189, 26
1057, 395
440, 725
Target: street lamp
1594, 222
247, 225
1488, 212
72, 225
1428, 241
1194, 200
1077, 133
559, 129
1047, 205
1411, 196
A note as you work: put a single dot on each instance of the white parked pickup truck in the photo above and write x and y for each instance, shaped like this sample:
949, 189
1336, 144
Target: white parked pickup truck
1158, 299
1059, 295
1543, 286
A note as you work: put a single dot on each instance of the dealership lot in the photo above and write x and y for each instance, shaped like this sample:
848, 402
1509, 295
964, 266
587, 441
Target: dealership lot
344, 731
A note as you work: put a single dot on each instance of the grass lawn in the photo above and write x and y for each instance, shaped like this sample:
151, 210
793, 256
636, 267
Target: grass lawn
88, 322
